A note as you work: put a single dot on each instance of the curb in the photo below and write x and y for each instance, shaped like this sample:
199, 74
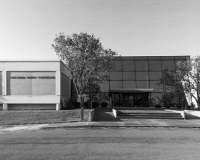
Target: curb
96, 126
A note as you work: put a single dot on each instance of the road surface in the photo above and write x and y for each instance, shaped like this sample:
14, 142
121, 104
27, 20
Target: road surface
101, 143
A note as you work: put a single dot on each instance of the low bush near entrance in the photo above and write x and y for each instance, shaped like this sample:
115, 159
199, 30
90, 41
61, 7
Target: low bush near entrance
157, 106
86, 104
40, 117
178, 106
95, 104
68, 103
104, 104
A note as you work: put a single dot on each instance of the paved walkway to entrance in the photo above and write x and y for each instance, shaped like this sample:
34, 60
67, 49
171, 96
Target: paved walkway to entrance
104, 114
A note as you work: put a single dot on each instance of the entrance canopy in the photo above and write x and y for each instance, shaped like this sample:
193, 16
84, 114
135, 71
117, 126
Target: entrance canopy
131, 90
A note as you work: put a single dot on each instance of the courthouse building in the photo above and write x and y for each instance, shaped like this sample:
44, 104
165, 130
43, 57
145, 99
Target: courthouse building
42, 84
33, 84
134, 82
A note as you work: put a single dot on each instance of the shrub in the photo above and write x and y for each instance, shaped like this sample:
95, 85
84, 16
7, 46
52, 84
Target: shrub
189, 107
157, 106
167, 106
179, 106
67, 103
77, 105
95, 104
86, 104
104, 104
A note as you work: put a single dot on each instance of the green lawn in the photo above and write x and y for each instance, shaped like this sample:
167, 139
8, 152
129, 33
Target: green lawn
41, 116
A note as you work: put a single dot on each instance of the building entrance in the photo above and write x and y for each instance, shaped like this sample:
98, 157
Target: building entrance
131, 99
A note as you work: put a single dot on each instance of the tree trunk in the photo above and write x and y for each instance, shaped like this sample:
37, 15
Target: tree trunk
198, 100
82, 107
198, 103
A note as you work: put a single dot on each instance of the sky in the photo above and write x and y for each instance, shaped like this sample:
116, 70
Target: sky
129, 27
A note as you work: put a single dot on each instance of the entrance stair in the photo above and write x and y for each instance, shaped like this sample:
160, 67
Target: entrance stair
147, 114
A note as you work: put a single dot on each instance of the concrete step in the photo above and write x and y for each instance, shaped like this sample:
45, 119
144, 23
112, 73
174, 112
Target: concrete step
162, 114
178, 118
144, 111
148, 117
130, 114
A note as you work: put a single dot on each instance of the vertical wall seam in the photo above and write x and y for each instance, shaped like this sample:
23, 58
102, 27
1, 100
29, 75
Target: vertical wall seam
58, 83
148, 71
122, 73
4, 78
135, 73
162, 74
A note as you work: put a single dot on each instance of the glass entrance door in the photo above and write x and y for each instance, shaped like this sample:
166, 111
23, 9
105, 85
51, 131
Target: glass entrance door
128, 100
117, 101
131, 100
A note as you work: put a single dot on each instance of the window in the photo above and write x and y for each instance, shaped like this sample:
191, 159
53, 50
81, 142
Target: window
115, 75
141, 66
168, 64
129, 84
118, 66
154, 65
155, 75
142, 76
115, 84
142, 84
128, 75
128, 65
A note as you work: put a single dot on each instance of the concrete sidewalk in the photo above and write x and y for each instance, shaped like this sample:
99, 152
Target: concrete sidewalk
135, 123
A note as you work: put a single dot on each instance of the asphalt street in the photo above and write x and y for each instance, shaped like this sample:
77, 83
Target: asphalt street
101, 143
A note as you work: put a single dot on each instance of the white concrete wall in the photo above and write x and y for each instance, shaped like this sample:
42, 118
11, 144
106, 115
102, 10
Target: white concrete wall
30, 65
91, 115
51, 97
30, 99
115, 113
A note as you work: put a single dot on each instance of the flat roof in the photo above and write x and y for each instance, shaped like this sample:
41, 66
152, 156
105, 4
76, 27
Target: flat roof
30, 60
34, 60
152, 56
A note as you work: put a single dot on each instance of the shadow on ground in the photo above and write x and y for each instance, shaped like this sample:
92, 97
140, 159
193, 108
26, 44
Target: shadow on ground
104, 114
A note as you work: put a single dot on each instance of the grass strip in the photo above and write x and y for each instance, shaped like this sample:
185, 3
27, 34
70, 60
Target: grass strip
41, 116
